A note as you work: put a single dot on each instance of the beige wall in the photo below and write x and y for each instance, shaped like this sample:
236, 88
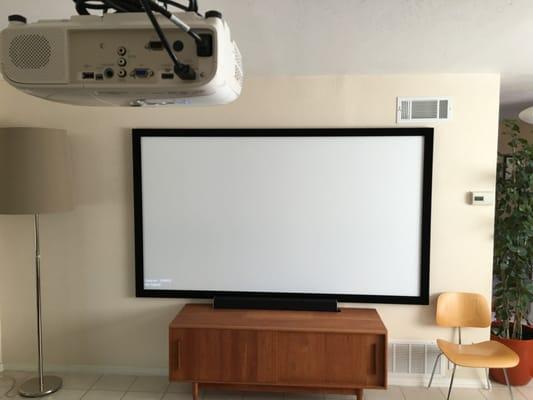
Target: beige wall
1, 364
92, 317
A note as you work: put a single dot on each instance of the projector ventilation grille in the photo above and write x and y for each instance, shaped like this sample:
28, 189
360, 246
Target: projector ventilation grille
414, 358
238, 65
416, 109
30, 51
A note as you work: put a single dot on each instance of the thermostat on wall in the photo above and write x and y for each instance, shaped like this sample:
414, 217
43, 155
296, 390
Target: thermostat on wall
482, 198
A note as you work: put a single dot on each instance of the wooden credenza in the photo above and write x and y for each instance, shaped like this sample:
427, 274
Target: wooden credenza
284, 351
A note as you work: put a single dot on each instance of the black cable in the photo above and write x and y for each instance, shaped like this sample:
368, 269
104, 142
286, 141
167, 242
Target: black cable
193, 6
117, 6
154, 6
174, 4
84, 7
183, 71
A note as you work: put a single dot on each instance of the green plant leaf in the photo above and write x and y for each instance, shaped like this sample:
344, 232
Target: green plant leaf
513, 232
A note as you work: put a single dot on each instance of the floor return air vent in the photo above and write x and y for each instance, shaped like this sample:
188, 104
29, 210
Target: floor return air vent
414, 358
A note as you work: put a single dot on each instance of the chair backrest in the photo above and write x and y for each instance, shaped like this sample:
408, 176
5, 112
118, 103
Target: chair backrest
457, 309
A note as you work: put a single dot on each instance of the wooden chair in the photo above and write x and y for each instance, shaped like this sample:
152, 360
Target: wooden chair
462, 310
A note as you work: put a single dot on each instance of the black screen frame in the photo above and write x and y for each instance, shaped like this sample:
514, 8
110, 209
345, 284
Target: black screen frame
426, 133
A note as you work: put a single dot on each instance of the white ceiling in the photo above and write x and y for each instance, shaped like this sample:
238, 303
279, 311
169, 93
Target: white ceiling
313, 37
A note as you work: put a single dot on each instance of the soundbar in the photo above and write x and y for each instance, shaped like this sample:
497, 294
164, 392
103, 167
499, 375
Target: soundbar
275, 303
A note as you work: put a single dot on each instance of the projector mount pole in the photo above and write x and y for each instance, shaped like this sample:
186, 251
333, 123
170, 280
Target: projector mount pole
41, 385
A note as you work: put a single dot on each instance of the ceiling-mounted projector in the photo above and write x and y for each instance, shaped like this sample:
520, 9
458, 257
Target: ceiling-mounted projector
119, 59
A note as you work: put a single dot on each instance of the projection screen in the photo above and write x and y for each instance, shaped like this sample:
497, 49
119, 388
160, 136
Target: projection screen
341, 213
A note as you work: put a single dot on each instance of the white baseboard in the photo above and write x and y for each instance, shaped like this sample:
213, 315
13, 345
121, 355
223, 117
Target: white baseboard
90, 369
438, 381
394, 379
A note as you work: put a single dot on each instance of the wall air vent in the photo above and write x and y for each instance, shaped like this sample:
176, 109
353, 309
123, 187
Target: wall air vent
423, 109
414, 358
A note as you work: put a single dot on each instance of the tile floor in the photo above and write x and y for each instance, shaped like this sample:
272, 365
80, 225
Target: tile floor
78, 386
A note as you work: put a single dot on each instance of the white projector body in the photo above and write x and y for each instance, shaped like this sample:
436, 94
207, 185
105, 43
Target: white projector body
118, 60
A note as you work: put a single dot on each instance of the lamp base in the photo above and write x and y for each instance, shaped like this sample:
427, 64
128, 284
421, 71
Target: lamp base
31, 387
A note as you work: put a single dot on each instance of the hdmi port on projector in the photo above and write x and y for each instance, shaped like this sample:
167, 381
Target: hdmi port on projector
154, 45
87, 75
142, 72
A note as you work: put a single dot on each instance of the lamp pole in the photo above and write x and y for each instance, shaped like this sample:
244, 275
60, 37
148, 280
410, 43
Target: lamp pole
40, 386
39, 308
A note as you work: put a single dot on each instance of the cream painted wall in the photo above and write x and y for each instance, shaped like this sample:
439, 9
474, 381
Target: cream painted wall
1, 363
92, 317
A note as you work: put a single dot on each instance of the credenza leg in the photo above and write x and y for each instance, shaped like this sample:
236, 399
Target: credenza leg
359, 394
195, 391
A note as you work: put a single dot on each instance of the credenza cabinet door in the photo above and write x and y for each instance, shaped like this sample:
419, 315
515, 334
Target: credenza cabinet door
301, 357
330, 359
220, 355
355, 359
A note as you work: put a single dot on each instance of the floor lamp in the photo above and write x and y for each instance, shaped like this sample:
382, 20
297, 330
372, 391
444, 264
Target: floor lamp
35, 178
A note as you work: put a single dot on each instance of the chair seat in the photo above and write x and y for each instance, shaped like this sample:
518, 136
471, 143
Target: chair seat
489, 354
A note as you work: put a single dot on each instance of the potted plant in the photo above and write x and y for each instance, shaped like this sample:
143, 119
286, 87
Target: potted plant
513, 254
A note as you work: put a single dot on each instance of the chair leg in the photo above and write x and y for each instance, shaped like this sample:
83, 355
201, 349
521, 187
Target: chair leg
489, 385
434, 368
451, 382
507, 381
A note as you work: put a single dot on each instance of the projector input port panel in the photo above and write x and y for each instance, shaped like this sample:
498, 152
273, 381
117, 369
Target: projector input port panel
137, 57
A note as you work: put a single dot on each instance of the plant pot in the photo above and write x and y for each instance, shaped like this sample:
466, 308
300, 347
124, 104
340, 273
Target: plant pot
522, 373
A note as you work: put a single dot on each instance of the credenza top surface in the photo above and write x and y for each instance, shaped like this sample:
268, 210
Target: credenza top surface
347, 320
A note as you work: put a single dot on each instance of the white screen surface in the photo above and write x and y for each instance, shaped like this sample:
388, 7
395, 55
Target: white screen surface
328, 215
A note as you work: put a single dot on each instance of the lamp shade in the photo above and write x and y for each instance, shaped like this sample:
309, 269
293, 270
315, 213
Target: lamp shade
526, 115
35, 173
